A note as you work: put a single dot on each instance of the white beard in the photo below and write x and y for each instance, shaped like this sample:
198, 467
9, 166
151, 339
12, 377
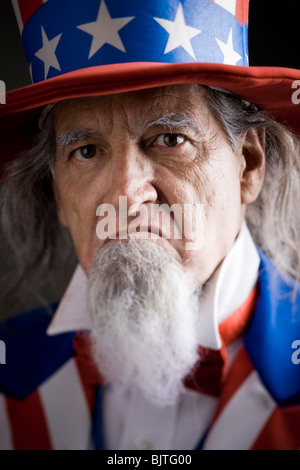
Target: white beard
144, 313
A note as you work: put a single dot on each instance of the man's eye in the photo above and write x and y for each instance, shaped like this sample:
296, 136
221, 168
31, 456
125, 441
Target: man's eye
170, 140
85, 153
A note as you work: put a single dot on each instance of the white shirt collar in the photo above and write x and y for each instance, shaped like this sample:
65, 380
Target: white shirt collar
71, 313
228, 288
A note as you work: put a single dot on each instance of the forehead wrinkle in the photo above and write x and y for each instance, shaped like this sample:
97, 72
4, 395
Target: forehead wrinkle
171, 121
75, 134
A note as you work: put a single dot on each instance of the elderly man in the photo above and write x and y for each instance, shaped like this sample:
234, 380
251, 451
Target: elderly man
180, 327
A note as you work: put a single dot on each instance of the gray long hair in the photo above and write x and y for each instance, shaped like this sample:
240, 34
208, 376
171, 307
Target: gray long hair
39, 244
28, 211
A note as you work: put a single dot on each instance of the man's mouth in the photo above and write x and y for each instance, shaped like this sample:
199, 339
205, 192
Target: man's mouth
142, 233
146, 234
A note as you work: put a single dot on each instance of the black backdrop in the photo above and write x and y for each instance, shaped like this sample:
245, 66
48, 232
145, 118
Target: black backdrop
274, 29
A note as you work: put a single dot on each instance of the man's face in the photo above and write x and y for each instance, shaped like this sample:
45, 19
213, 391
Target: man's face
159, 146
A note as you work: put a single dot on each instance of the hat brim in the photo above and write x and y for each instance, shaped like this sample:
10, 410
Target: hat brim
271, 88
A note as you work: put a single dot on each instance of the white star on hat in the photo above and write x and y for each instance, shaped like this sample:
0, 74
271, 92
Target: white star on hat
105, 30
179, 33
231, 57
47, 52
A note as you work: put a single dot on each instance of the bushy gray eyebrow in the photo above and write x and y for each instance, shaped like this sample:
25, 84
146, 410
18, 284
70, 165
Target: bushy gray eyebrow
171, 121
73, 135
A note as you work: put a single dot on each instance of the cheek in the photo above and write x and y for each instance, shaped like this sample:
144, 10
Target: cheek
77, 204
77, 195
219, 182
218, 189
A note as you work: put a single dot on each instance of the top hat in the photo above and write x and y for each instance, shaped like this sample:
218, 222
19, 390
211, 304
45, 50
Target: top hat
79, 48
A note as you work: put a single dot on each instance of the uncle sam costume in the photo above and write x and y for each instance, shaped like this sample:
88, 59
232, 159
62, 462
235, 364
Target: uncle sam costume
249, 392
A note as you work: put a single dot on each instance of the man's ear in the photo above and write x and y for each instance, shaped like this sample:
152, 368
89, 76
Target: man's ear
253, 168
59, 207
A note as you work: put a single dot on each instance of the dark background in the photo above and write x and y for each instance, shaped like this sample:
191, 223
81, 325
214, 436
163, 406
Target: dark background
273, 39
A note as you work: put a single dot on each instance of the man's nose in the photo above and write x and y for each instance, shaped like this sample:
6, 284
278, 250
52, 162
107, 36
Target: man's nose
132, 176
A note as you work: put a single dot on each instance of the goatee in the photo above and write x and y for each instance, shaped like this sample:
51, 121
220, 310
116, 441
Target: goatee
144, 311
